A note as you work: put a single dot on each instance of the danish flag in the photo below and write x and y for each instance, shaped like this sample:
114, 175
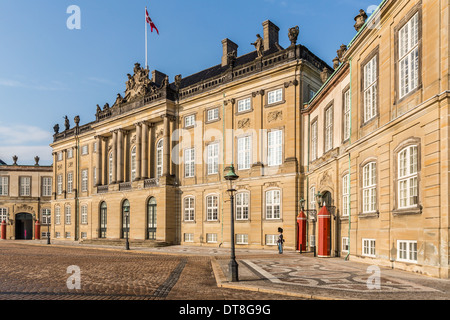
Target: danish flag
150, 22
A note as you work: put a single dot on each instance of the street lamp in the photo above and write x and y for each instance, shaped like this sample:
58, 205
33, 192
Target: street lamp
48, 228
231, 176
126, 209
319, 198
302, 203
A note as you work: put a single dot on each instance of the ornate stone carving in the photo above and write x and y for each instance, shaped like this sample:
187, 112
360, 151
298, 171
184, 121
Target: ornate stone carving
15, 158
56, 128
119, 100
341, 52
259, 45
36, 159
178, 79
244, 123
360, 20
137, 85
336, 63
231, 58
77, 120
293, 35
274, 116
325, 75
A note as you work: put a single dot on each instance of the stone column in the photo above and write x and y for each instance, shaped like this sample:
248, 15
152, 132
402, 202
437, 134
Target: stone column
119, 156
98, 161
114, 157
138, 150
144, 151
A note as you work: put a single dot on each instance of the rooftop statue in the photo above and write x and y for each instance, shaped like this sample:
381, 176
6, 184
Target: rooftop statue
293, 35
259, 45
137, 85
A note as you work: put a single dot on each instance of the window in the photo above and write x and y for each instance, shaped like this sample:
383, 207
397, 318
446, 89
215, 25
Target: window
369, 187
57, 215
407, 250
189, 210
345, 244
346, 120
189, 163
69, 153
46, 186
275, 147
271, 239
25, 186
159, 158
84, 150
328, 129
3, 214
212, 114
312, 93
312, 198
211, 237
407, 177
189, 121
67, 235
188, 237
70, 182
59, 184
212, 208
314, 141
241, 238
84, 214
213, 158
60, 156
46, 216
84, 180
242, 201
4, 186
273, 204
110, 168
408, 45
345, 194
244, 105
370, 88
133, 163
68, 215
368, 247
95, 147
275, 96
244, 145
57, 235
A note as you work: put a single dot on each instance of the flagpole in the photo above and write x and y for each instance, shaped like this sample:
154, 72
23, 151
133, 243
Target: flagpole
146, 40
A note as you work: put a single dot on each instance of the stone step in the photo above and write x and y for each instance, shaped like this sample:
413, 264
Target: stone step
121, 242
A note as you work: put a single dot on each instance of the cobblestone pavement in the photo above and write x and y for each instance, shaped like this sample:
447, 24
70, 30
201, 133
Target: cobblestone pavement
38, 272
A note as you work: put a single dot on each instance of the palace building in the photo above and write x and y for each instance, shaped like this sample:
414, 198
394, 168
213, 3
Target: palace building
350, 161
377, 143
25, 200
151, 166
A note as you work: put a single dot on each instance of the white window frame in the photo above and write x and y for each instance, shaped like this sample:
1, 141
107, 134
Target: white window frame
314, 139
212, 114
133, 163
25, 186
407, 251
69, 182
4, 186
241, 238
408, 52
368, 247
189, 121
312, 198
271, 239
275, 147
346, 120
273, 204
345, 194
189, 208
84, 150
188, 237
84, 180
408, 177
59, 156
3, 214
47, 186
189, 163
59, 185
46, 216
110, 167
244, 151
211, 237
67, 215
242, 205
275, 96
345, 244
213, 158
244, 105
84, 214
159, 158
57, 215
370, 89
369, 187
69, 153
328, 129
212, 207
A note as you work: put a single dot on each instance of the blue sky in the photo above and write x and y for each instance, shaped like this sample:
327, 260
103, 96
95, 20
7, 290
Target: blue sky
48, 71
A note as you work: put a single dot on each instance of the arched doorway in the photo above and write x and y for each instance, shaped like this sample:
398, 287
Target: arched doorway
151, 219
24, 226
103, 220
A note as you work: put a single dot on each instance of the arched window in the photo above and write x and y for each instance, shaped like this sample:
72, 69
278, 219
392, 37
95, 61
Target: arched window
125, 218
159, 158
151, 219
133, 163
103, 220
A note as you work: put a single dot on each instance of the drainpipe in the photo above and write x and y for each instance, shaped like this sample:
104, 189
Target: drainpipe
349, 166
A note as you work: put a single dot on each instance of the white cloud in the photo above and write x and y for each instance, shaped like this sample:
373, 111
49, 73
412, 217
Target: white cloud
17, 134
26, 154
51, 86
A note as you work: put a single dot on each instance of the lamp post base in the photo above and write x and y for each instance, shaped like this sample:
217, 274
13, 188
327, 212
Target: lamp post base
233, 271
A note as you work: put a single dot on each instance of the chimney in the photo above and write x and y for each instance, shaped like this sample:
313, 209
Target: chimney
270, 34
228, 47
158, 77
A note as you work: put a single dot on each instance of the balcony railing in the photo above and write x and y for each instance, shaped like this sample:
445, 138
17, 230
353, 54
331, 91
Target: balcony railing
151, 183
